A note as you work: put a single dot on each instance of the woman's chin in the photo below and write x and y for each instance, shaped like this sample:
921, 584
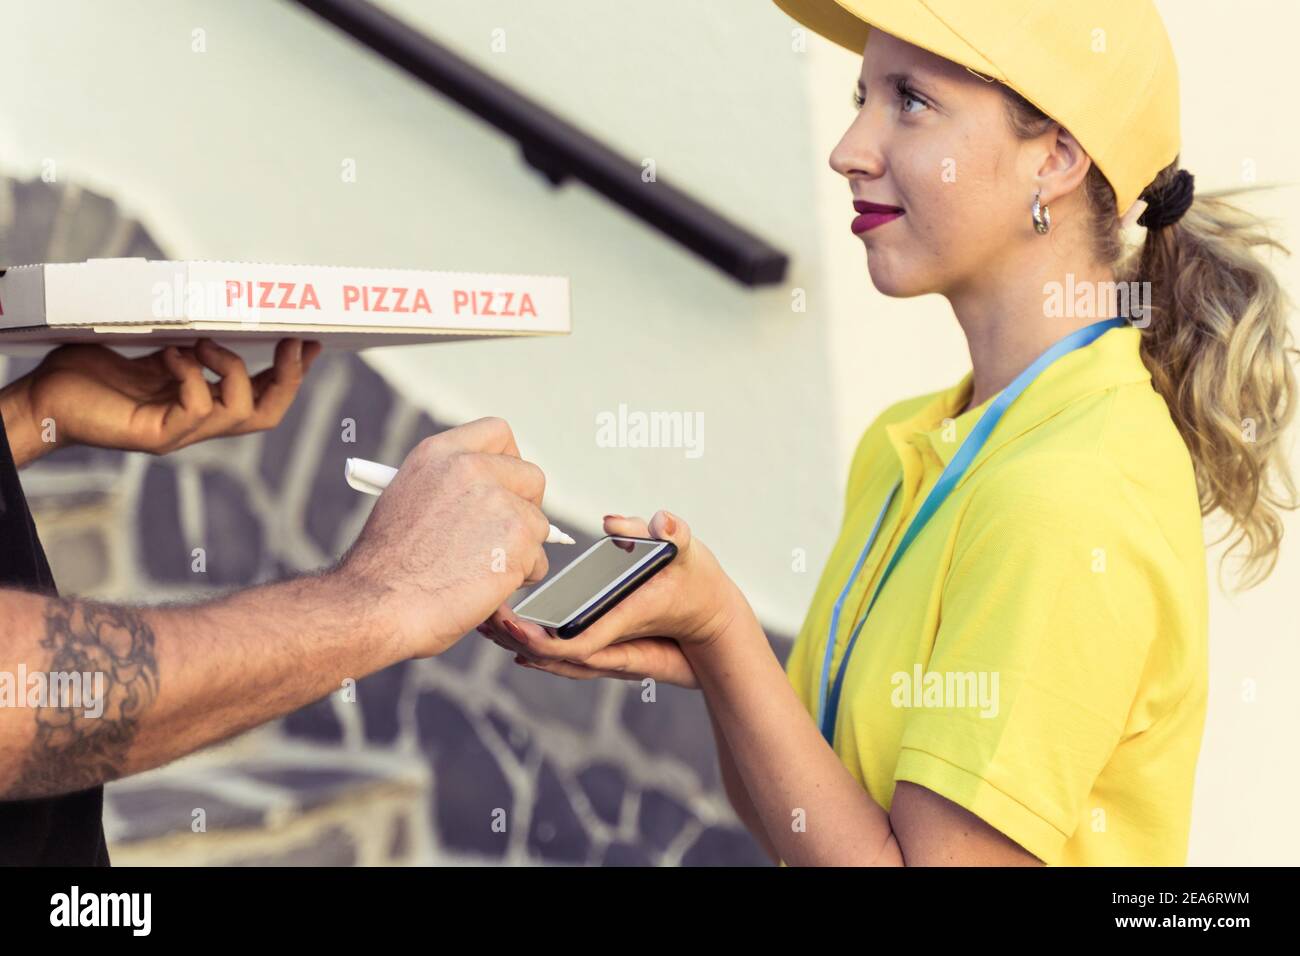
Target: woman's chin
895, 283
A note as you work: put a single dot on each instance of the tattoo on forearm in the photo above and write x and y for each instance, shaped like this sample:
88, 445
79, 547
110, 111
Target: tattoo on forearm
73, 751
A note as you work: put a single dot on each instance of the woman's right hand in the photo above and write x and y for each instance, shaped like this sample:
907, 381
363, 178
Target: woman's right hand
633, 659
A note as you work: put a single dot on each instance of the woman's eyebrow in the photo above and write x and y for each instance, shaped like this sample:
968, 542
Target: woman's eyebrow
895, 78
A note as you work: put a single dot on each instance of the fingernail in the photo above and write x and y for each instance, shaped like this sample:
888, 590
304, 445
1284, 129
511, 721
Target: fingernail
670, 525
296, 348
516, 631
607, 517
483, 630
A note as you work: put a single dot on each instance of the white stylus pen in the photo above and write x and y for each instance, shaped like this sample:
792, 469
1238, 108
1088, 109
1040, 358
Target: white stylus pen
371, 477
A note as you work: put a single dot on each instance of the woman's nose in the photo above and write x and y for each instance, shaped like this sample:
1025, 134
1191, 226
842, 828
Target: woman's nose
859, 152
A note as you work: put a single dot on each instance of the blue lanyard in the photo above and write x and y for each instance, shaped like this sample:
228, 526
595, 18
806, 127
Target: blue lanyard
828, 707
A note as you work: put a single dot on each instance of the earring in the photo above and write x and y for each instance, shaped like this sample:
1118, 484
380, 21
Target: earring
1042, 215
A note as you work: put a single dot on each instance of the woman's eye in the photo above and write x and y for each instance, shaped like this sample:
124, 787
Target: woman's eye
906, 95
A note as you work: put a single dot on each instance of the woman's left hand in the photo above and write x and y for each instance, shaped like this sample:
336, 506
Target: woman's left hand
657, 658
691, 601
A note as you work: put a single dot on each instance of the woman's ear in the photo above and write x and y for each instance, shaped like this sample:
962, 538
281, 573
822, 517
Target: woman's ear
1065, 167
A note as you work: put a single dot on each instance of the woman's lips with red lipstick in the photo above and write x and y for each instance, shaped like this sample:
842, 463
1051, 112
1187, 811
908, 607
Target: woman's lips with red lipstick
871, 215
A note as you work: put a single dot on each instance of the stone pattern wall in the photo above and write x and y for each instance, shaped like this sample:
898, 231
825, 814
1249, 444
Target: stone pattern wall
461, 758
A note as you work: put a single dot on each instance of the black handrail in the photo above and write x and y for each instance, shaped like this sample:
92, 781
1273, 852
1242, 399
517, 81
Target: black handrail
557, 148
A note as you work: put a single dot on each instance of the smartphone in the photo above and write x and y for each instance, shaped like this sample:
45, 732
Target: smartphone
595, 581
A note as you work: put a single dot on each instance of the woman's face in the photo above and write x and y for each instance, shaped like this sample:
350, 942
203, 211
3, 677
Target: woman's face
932, 139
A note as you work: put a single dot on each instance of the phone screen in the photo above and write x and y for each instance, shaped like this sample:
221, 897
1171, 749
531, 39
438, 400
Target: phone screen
580, 583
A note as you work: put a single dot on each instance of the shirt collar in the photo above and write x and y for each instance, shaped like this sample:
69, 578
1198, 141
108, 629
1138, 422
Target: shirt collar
1109, 360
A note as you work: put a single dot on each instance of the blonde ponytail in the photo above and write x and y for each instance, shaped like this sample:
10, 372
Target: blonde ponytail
1218, 346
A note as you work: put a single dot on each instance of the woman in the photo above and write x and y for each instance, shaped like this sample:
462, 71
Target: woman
1019, 587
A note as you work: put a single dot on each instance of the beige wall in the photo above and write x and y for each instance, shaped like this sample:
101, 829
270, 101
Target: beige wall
237, 152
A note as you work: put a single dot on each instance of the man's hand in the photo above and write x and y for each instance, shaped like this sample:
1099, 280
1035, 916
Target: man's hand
456, 532
91, 395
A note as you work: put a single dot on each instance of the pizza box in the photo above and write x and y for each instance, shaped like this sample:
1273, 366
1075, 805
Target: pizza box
146, 304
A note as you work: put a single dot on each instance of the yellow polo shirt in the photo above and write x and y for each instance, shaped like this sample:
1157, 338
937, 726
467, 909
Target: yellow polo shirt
1039, 654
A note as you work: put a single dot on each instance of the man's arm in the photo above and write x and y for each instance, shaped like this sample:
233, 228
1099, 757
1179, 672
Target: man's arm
457, 531
20, 423
157, 683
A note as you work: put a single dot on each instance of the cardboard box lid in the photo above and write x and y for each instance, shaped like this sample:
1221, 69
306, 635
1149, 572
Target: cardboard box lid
159, 302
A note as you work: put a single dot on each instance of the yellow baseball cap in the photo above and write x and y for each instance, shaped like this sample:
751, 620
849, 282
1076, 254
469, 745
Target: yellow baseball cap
1103, 69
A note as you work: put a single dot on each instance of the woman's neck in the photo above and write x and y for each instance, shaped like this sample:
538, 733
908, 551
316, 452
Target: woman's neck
1007, 326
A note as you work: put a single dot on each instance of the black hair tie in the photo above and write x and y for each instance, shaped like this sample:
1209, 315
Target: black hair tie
1166, 206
